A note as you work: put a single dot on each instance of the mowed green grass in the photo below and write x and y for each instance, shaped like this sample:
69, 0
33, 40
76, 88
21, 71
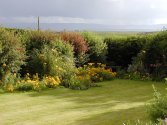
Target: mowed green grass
113, 103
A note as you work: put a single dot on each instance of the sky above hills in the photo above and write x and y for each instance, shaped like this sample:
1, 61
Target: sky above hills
102, 12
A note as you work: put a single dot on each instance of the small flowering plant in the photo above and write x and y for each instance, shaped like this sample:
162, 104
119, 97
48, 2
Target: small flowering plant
97, 72
52, 82
28, 83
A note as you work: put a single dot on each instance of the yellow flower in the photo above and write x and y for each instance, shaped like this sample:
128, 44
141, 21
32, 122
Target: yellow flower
14, 74
52, 82
10, 88
4, 65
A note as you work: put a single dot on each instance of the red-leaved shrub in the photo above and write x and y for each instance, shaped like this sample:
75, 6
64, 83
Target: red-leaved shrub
76, 40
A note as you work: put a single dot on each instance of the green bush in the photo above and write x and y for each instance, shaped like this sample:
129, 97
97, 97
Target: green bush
9, 82
25, 87
157, 108
80, 83
122, 51
97, 47
48, 55
152, 58
155, 60
35, 42
12, 53
53, 62
37, 39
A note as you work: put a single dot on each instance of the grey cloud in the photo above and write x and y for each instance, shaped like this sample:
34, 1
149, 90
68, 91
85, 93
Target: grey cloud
110, 11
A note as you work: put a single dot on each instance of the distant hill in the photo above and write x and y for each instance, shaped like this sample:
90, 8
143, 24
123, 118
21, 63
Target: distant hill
87, 27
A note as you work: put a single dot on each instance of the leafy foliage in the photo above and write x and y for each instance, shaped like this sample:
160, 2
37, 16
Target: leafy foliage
157, 109
122, 51
12, 53
97, 47
37, 39
79, 45
75, 39
50, 61
80, 82
97, 72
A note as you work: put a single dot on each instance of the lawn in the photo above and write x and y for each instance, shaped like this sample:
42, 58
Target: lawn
113, 103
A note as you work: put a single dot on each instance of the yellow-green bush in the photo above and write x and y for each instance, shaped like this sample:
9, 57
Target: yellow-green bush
97, 47
12, 53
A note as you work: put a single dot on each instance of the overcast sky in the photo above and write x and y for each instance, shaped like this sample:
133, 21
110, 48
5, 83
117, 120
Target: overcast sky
110, 12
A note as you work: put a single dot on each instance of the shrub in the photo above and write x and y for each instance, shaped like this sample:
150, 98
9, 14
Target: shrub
80, 82
155, 60
137, 64
152, 58
12, 53
75, 39
55, 59
136, 76
97, 47
37, 39
28, 83
122, 51
79, 44
35, 42
52, 82
157, 108
97, 72
25, 86
9, 81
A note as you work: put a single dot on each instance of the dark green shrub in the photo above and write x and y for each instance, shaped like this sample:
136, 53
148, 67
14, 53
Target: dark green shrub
97, 47
153, 58
156, 58
122, 51
25, 87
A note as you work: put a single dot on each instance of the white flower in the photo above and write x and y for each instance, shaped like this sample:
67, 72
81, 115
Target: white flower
165, 79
